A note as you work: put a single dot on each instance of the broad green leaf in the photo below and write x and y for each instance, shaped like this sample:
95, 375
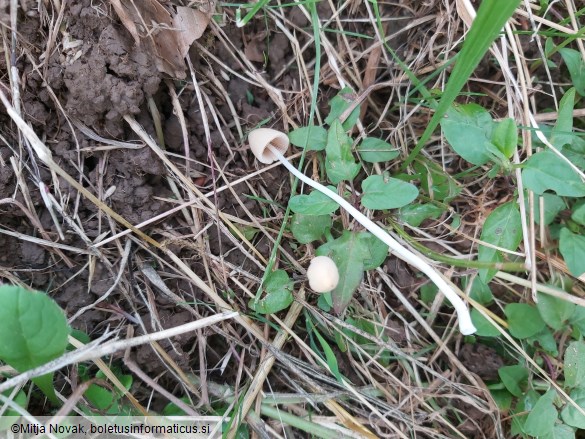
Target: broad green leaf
502, 228
277, 296
576, 66
309, 228
381, 192
428, 292
503, 399
578, 215
339, 104
572, 247
505, 137
467, 128
577, 320
544, 340
525, 403
543, 415
552, 205
339, 162
33, 331
316, 203
514, 378
524, 320
436, 182
350, 252
378, 250
555, 312
574, 368
314, 137
546, 171
562, 133
480, 291
570, 414
483, 325
560, 431
374, 150
415, 214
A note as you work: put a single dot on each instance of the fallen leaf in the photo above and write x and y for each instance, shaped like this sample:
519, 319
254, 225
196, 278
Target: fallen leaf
166, 35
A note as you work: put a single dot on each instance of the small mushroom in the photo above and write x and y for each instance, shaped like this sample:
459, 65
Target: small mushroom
322, 274
269, 145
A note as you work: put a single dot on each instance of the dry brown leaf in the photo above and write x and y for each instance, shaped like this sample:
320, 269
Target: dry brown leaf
190, 25
166, 36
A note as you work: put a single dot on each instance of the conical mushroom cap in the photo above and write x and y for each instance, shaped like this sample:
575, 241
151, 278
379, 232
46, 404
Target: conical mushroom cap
259, 140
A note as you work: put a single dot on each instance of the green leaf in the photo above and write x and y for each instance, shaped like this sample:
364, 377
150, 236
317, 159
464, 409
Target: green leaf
415, 214
552, 205
560, 431
352, 252
314, 137
467, 128
572, 247
505, 137
309, 228
374, 150
480, 291
329, 356
578, 215
570, 414
576, 66
577, 320
574, 368
562, 133
524, 320
339, 162
544, 340
387, 193
503, 399
339, 104
524, 404
436, 182
483, 325
514, 378
555, 312
546, 171
503, 228
33, 331
543, 416
278, 289
378, 250
316, 203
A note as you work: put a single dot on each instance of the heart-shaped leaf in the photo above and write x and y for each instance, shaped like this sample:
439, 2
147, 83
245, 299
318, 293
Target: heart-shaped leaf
316, 203
277, 294
503, 228
467, 128
308, 228
546, 171
339, 163
33, 331
352, 252
376, 150
387, 193
572, 247
313, 137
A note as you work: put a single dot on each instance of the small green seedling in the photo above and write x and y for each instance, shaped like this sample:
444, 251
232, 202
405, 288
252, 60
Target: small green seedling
33, 331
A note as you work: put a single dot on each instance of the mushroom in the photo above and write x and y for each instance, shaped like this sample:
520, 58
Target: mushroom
269, 145
322, 274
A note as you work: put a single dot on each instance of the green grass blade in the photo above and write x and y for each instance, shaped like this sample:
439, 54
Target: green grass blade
491, 18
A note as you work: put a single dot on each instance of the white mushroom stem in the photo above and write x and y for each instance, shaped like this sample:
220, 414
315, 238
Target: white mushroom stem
465, 325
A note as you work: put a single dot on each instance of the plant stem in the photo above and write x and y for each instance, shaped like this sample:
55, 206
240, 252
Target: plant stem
465, 325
